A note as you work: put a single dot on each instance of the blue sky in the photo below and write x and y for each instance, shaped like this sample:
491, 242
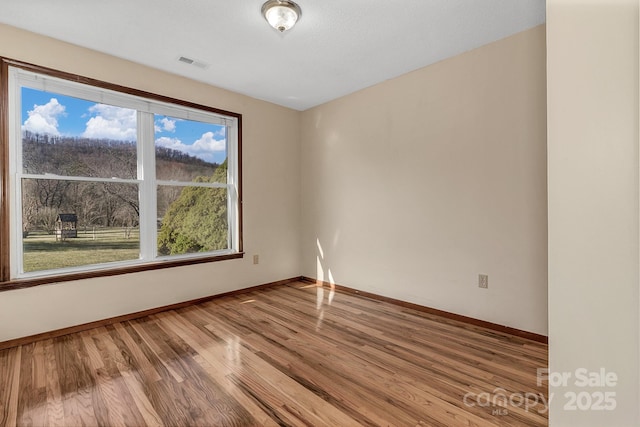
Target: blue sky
55, 114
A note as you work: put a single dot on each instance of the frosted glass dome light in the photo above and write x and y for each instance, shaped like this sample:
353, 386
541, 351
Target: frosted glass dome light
281, 14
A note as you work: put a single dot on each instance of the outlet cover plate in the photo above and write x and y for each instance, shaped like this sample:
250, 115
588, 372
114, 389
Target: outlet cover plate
483, 281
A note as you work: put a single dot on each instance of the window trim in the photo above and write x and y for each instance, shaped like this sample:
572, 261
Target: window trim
6, 282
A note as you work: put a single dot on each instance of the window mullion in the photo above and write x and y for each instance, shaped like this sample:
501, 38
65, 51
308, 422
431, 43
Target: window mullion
232, 196
15, 177
148, 192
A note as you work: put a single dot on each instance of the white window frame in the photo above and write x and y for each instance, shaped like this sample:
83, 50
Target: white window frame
146, 108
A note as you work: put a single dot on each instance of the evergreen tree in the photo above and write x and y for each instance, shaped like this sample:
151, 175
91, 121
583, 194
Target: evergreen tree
197, 220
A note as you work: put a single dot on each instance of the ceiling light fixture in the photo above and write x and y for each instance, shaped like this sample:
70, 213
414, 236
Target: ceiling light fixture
281, 14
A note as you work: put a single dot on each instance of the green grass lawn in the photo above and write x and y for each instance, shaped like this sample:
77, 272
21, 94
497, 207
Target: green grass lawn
43, 252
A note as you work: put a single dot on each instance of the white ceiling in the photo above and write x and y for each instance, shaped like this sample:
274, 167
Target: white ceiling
337, 47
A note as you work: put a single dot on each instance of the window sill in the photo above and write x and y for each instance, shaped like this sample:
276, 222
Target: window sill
31, 282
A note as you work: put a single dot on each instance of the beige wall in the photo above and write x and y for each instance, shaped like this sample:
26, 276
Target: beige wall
413, 187
593, 203
271, 202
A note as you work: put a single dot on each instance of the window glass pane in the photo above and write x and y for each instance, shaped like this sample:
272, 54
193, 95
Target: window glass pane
77, 157
68, 136
192, 219
75, 223
188, 149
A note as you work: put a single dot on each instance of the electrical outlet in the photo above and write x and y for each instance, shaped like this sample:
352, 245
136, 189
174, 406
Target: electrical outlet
483, 281
256, 259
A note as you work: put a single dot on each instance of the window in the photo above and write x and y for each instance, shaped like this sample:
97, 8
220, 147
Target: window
103, 180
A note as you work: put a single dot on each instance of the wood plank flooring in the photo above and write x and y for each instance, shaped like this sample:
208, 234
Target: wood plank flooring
291, 355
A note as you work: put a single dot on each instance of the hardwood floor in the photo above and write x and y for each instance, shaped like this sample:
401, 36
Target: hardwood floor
288, 355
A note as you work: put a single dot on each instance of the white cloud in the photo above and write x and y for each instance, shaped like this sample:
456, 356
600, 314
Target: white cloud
221, 133
204, 148
168, 125
111, 122
44, 118
207, 143
173, 143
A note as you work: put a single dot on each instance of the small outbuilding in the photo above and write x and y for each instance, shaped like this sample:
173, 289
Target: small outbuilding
66, 226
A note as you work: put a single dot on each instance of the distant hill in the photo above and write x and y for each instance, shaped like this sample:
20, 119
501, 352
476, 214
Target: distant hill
96, 204
104, 158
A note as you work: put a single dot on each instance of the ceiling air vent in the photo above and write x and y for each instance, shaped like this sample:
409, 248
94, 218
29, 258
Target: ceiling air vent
195, 63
